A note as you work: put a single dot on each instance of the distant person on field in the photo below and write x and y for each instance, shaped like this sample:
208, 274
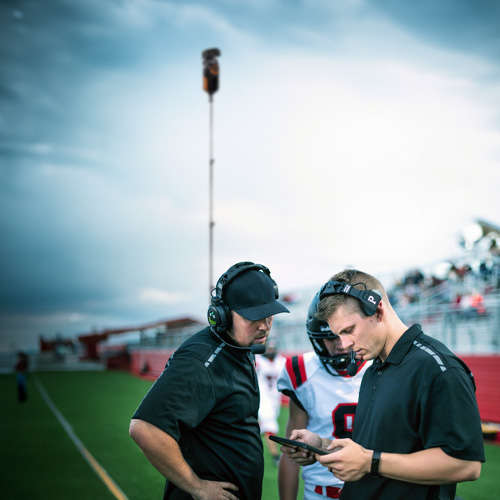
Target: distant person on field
21, 369
198, 424
268, 367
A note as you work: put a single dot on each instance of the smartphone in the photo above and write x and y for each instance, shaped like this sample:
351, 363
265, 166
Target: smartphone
298, 444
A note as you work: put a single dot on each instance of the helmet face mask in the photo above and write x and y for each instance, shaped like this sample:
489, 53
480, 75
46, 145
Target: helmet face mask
318, 331
336, 362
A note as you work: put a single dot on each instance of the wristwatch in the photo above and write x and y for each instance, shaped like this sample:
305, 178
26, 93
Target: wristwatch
375, 462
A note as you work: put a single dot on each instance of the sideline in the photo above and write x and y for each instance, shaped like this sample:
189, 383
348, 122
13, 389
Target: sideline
98, 469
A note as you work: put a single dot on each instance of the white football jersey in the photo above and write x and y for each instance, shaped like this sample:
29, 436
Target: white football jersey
330, 402
270, 398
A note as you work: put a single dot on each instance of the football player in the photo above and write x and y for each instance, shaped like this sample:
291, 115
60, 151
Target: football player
268, 367
323, 387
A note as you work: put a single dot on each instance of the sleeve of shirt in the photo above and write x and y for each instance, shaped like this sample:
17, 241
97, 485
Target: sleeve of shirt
285, 386
450, 417
183, 395
284, 380
281, 362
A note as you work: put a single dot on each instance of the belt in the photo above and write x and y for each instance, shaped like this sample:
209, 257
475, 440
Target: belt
328, 491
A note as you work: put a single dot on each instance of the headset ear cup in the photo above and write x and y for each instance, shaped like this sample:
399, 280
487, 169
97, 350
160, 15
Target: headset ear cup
213, 316
369, 302
219, 316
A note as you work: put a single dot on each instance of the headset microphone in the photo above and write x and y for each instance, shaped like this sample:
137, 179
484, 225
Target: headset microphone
258, 348
352, 368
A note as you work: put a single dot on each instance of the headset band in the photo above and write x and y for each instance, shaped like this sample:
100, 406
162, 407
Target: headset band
233, 272
369, 299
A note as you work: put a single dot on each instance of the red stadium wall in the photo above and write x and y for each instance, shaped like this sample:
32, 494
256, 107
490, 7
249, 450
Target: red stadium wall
149, 363
486, 369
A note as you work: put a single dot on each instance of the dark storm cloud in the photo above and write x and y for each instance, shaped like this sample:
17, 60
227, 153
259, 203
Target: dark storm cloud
51, 256
48, 51
7, 93
470, 26
63, 32
51, 51
43, 255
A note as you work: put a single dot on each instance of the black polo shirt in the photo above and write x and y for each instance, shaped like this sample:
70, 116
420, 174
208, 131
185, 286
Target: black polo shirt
207, 399
421, 397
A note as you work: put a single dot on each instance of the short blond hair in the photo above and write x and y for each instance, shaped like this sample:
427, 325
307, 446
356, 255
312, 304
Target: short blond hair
357, 279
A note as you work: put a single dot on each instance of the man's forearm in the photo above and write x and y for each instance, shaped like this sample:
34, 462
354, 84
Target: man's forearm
431, 466
350, 462
165, 455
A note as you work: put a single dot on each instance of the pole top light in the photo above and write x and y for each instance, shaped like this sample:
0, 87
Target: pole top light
210, 70
210, 53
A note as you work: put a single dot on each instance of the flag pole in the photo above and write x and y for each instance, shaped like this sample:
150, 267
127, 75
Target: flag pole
211, 222
210, 85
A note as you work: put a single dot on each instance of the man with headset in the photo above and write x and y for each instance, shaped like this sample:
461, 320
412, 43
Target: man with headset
417, 431
198, 423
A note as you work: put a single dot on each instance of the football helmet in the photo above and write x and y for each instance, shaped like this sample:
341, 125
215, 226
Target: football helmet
317, 331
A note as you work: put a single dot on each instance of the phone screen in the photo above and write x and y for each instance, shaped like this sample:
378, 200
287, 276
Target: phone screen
297, 444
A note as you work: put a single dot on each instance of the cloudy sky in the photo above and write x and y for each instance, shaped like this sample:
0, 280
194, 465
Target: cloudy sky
349, 132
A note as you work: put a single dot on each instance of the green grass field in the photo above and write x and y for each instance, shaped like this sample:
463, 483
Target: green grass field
39, 461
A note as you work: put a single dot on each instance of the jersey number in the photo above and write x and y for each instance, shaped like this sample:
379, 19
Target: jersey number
343, 420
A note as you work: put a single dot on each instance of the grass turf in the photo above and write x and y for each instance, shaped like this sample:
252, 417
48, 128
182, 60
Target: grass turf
39, 460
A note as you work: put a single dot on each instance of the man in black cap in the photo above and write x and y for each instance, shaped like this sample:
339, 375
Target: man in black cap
198, 423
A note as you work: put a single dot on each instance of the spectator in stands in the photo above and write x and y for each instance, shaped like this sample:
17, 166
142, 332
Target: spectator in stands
417, 429
494, 248
473, 305
21, 369
198, 425
484, 270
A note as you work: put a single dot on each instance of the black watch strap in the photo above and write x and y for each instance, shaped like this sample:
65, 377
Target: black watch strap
375, 462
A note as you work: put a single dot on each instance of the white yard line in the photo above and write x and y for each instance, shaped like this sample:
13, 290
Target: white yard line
98, 469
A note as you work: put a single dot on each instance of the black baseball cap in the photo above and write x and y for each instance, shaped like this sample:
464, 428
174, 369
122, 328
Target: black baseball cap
252, 295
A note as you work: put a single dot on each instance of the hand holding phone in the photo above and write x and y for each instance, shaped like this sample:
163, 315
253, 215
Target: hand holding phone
298, 444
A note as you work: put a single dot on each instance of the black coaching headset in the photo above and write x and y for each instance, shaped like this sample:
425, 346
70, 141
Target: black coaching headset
219, 314
368, 299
